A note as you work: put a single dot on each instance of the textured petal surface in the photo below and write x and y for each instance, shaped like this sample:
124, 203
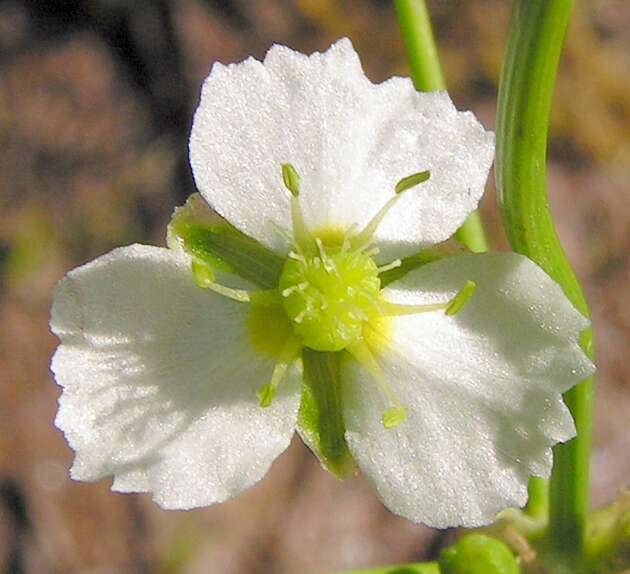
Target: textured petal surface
482, 388
350, 140
159, 381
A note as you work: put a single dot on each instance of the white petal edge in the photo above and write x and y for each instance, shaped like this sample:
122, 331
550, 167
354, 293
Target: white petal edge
482, 389
350, 140
159, 381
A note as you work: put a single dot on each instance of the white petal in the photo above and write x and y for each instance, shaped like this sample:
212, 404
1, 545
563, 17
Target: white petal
159, 381
482, 388
351, 141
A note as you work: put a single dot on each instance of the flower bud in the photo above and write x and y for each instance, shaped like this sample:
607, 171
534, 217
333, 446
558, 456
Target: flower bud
478, 554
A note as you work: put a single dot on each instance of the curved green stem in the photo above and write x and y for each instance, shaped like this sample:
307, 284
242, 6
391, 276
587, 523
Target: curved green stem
427, 76
537, 32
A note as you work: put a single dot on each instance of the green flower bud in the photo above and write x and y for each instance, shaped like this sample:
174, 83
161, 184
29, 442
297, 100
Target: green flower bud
478, 554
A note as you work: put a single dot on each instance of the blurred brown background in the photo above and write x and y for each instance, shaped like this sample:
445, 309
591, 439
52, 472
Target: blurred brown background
95, 106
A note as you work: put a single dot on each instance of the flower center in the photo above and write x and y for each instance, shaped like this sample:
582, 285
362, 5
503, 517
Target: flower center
329, 294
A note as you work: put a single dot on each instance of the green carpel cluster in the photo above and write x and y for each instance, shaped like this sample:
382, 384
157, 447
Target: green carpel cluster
329, 295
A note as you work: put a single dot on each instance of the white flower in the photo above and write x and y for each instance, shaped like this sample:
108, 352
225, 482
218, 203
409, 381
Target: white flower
191, 393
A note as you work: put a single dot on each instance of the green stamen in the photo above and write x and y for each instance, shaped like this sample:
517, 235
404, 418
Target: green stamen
291, 179
412, 180
266, 394
302, 238
451, 307
393, 265
395, 413
204, 277
365, 236
290, 351
396, 309
460, 299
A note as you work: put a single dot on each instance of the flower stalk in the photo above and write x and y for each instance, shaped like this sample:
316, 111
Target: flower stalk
427, 76
537, 32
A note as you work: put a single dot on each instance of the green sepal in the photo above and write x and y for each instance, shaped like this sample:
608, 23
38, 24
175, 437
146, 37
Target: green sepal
221, 246
435, 253
478, 554
320, 417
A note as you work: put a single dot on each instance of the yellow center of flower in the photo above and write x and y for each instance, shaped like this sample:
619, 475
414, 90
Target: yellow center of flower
329, 294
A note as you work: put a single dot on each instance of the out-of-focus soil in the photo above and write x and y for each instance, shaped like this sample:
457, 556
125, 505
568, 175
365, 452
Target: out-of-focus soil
95, 103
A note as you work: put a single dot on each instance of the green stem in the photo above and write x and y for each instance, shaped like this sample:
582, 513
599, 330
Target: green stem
427, 76
471, 234
538, 498
424, 568
417, 36
536, 36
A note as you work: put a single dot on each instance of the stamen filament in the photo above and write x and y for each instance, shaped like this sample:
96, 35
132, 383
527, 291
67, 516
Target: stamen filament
265, 298
329, 264
297, 257
239, 295
451, 307
283, 233
301, 235
289, 353
403, 185
346, 244
364, 236
395, 263
396, 309
204, 278
395, 413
